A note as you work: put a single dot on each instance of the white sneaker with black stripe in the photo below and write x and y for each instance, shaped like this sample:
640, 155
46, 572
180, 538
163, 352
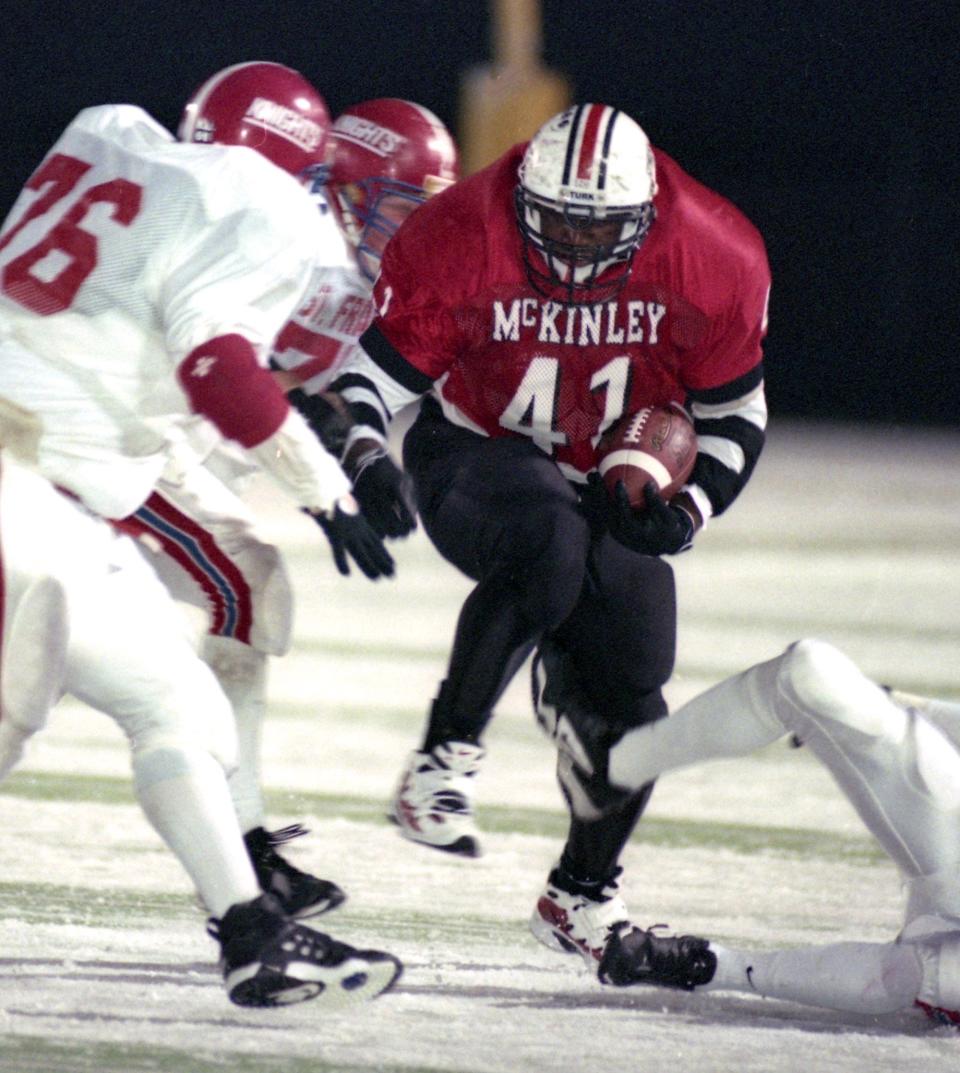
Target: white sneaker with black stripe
573, 918
433, 804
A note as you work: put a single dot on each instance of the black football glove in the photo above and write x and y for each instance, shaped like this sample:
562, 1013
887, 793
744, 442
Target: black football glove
659, 529
327, 415
595, 503
382, 489
350, 534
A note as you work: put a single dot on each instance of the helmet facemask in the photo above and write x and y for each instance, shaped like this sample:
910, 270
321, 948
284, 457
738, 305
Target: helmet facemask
388, 156
577, 271
371, 210
584, 203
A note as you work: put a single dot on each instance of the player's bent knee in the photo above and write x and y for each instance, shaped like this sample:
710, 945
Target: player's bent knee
173, 757
166, 754
193, 714
820, 683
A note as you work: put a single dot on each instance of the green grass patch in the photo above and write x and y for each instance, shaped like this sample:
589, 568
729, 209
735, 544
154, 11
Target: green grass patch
80, 906
498, 819
35, 1054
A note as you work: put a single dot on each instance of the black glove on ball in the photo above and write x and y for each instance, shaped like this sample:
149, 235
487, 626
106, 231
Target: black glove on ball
659, 529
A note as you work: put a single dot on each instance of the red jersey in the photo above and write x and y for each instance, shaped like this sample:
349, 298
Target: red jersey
454, 301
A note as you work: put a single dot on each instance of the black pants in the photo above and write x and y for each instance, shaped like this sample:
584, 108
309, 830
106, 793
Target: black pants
503, 513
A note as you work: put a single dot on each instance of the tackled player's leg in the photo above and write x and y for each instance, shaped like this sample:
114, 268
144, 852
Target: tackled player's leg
900, 770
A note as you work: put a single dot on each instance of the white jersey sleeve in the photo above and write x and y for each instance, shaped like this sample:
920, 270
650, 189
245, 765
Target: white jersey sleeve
124, 252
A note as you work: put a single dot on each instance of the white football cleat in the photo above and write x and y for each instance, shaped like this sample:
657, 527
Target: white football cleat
433, 804
571, 919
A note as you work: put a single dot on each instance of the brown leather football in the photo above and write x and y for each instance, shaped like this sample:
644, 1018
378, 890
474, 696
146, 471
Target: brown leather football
657, 443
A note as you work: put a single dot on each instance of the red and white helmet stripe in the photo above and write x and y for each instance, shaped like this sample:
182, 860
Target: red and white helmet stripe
589, 144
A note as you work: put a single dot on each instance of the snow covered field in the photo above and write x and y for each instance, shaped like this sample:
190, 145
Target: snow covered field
850, 535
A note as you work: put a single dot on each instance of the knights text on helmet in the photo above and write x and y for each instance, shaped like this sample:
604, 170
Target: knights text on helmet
364, 132
284, 121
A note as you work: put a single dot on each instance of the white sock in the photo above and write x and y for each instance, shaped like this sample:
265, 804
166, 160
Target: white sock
242, 674
733, 718
870, 978
184, 795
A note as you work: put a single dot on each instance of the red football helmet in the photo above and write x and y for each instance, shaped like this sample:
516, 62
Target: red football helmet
265, 106
387, 157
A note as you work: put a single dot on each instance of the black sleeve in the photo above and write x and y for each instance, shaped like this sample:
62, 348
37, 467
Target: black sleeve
730, 421
380, 373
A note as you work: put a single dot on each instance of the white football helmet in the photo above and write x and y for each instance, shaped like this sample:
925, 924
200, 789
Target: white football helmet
584, 202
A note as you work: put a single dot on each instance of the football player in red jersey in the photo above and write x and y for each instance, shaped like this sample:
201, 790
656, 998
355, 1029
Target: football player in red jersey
387, 156
574, 280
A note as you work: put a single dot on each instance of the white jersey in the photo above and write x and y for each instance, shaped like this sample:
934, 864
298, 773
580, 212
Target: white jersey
336, 310
124, 252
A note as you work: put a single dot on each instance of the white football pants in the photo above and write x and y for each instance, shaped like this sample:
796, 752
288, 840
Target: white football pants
201, 539
898, 766
899, 769
88, 617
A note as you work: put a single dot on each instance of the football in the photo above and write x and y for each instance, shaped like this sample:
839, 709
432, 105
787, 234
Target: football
656, 444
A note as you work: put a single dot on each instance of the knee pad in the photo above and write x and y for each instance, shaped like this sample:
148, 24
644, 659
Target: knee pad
823, 695
199, 716
548, 556
817, 683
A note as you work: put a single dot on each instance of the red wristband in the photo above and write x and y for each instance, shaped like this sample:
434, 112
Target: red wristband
225, 384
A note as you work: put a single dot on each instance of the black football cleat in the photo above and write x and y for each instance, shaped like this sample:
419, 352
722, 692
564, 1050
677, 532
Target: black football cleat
300, 895
269, 960
637, 956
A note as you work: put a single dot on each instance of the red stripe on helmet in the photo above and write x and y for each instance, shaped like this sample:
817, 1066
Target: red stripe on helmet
588, 144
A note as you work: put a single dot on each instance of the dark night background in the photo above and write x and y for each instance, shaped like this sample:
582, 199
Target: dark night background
832, 125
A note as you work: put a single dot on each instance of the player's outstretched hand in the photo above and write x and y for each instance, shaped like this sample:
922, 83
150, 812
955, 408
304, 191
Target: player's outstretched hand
384, 493
352, 537
659, 529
